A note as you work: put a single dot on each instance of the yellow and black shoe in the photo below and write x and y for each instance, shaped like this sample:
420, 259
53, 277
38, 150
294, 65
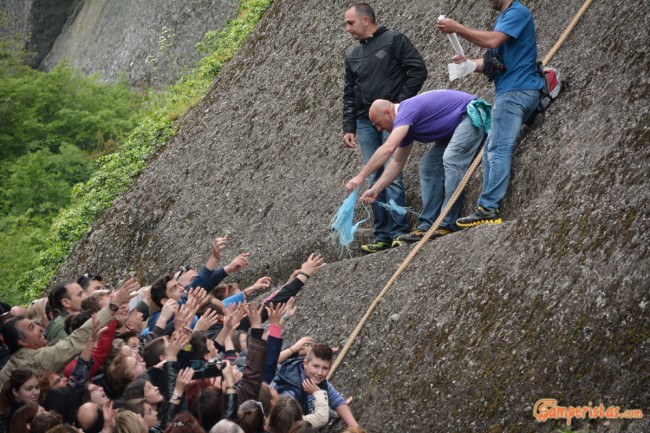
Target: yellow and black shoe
480, 216
415, 236
376, 247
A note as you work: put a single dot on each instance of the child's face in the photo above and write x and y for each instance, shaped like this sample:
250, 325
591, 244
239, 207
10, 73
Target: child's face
317, 369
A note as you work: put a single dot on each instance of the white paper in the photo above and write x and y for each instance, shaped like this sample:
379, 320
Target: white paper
458, 70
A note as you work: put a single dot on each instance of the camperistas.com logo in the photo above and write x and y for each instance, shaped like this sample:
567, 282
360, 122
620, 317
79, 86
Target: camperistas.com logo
547, 408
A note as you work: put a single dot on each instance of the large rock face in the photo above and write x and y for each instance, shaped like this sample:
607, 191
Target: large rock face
114, 37
551, 304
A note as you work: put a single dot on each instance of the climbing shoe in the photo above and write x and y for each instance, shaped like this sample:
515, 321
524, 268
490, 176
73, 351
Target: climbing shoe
480, 216
397, 242
417, 235
376, 247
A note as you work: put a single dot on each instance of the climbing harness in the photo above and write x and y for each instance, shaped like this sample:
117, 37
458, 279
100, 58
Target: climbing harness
445, 211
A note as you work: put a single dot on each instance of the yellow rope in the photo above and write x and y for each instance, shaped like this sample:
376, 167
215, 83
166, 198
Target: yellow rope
443, 214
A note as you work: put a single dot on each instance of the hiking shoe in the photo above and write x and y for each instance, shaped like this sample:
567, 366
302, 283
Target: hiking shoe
480, 216
376, 247
397, 242
417, 235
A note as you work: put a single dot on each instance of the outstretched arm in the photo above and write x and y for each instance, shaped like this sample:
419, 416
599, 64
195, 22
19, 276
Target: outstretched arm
393, 169
380, 157
481, 38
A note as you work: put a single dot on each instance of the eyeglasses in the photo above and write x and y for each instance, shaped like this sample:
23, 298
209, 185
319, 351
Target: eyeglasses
182, 270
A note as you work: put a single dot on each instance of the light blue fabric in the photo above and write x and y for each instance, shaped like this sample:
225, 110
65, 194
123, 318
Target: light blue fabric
394, 207
342, 223
480, 111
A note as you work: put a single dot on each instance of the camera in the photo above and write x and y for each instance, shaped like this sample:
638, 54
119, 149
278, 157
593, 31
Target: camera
210, 369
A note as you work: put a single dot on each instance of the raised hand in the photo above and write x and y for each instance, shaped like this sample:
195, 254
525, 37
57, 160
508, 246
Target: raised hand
198, 294
239, 263
260, 285
254, 313
123, 294
207, 320
276, 312
218, 244
313, 264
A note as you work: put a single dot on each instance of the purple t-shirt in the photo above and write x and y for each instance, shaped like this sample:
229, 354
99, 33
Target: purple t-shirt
432, 116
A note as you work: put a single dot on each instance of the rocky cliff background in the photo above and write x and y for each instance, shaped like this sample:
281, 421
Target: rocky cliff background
149, 42
551, 304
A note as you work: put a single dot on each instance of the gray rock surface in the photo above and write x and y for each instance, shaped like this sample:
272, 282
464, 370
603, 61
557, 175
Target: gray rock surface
114, 37
551, 304
40, 21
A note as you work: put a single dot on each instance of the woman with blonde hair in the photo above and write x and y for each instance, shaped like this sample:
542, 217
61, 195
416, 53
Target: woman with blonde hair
128, 422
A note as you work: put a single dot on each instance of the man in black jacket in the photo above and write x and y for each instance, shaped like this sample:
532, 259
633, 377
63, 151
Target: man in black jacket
383, 65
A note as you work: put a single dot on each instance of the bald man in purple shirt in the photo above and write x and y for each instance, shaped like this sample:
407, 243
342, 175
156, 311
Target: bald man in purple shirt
438, 117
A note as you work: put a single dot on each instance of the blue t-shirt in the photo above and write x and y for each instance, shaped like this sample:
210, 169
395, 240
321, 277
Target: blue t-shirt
519, 52
432, 116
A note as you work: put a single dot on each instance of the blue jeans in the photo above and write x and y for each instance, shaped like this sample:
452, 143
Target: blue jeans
442, 168
507, 117
388, 225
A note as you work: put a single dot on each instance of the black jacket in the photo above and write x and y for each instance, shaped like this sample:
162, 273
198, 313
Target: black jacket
384, 66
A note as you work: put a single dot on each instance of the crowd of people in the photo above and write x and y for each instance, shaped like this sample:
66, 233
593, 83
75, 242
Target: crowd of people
189, 354
192, 354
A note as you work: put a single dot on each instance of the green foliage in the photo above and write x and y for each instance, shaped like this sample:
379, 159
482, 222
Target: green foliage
46, 110
116, 171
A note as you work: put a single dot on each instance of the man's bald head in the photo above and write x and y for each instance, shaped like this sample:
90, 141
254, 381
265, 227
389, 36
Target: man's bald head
382, 113
90, 418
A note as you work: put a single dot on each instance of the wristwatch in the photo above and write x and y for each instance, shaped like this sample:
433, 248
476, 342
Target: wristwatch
113, 307
176, 396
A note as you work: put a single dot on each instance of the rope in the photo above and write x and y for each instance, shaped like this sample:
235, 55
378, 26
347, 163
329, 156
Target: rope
459, 190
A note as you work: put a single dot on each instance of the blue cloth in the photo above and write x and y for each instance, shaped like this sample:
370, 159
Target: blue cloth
519, 52
442, 168
343, 221
388, 225
432, 116
480, 111
507, 117
289, 380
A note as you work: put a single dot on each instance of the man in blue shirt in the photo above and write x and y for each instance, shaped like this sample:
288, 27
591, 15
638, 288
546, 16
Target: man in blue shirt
511, 64
444, 118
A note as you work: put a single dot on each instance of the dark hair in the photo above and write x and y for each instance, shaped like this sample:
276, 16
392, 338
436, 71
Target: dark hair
364, 10
137, 405
250, 416
23, 416
205, 404
58, 293
303, 426
126, 336
152, 351
17, 378
45, 421
135, 389
184, 423
11, 334
265, 397
4, 307
199, 343
223, 291
85, 279
76, 320
320, 351
64, 401
235, 339
284, 414
92, 303
159, 290
220, 309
